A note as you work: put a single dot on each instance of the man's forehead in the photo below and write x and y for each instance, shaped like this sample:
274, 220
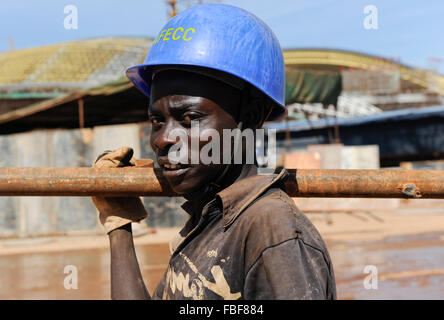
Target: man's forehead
178, 84
182, 102
176, 100
171, 82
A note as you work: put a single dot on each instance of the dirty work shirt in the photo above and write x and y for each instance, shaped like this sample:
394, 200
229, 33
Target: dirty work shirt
251, 243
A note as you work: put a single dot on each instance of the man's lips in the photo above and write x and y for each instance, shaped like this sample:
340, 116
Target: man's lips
174, 173
172, 170
172, 167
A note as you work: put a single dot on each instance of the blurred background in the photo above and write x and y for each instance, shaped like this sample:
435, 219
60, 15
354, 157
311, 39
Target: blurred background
364, 90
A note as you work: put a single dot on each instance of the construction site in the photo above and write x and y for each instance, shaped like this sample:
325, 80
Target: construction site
347, 112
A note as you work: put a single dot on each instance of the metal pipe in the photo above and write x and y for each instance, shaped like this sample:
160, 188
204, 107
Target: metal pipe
147, 181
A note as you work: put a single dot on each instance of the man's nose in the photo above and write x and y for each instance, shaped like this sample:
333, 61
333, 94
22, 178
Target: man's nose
165, 138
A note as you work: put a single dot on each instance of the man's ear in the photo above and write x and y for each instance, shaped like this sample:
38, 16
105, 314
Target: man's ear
251, 115
256, 112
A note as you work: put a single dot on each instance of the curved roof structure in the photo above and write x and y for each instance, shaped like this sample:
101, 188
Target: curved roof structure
338, 58
71, 65
88, 63
83, 83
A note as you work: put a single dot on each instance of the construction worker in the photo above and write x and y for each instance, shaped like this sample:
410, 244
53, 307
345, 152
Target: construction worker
222, 67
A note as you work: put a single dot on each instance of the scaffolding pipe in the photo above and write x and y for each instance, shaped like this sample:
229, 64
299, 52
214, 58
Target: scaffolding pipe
148, 181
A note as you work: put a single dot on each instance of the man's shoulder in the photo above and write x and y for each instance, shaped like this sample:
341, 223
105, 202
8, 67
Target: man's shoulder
274, 218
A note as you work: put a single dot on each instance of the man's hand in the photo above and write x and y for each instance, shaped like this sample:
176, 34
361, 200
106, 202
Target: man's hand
117, 212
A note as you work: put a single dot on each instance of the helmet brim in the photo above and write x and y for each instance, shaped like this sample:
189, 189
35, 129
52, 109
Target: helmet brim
142, 76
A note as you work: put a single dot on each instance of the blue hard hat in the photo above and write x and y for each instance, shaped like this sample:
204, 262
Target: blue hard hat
223, 38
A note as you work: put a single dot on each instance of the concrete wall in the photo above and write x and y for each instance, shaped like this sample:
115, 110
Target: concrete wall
33, 216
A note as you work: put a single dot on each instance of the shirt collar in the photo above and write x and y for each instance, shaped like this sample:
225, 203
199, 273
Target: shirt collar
234, 197
233, 201
238, 196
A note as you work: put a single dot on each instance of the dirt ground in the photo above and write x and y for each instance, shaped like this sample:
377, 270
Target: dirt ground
404, 247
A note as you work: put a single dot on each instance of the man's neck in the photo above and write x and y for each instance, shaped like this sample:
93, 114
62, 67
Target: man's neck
235, 174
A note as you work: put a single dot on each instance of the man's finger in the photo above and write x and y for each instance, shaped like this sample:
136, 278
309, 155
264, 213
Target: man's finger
123, 154
117, 158
102, 155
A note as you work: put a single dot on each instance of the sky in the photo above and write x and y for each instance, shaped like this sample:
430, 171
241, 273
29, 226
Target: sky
412, 31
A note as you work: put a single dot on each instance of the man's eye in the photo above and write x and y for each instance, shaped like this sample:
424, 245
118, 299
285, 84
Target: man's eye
155, 121
190, 117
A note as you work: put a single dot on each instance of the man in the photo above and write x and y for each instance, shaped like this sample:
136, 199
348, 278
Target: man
221, 67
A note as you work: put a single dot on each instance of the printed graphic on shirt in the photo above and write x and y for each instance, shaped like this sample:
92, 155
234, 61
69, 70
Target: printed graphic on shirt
193, 286
212, 253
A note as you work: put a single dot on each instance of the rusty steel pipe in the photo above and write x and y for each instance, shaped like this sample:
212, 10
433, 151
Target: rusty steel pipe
147, 181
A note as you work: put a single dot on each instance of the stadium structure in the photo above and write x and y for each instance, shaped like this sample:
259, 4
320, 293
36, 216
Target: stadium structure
62, 104
72, 84
369, 84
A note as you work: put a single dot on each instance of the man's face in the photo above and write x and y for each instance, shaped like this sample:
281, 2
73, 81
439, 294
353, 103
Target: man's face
177, 98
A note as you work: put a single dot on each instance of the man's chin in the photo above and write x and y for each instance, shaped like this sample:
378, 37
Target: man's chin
183, 190
192, 181
184, 187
